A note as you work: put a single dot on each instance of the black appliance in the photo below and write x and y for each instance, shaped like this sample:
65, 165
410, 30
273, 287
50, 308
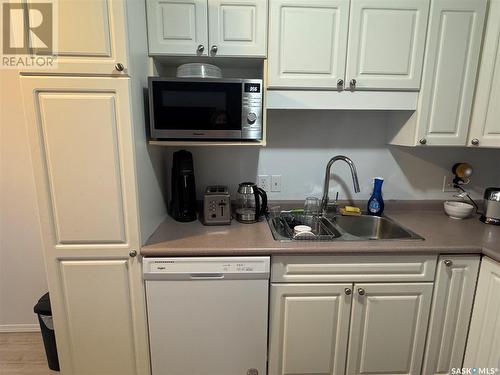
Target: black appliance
183, 203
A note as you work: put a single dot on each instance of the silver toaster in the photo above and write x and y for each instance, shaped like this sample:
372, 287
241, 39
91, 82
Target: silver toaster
491, 206
216, 206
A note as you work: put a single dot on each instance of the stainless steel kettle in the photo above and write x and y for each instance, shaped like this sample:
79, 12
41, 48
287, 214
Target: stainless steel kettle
251, 203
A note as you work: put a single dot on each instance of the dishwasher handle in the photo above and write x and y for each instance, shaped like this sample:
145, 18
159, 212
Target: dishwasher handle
206, 276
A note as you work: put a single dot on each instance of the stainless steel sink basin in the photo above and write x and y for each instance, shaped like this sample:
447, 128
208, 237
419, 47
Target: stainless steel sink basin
340, 228
373, 227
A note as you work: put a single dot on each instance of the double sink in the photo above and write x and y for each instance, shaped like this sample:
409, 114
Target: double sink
339, 228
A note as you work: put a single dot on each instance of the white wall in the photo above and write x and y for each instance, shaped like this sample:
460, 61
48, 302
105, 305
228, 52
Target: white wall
22, 271
300, 143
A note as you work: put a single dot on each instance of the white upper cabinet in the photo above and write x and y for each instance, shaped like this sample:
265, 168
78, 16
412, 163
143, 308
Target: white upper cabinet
388, 328
177, 27
381, 40
386, 44
237, 27
453, 46
485, 125
90, 37
307, 43
483, 343
451, 60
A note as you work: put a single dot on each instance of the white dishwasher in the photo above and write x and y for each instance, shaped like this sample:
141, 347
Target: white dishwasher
207, 315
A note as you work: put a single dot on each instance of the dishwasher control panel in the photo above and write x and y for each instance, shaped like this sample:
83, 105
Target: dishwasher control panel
206, 267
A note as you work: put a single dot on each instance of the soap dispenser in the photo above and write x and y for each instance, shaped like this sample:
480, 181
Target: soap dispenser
376, 202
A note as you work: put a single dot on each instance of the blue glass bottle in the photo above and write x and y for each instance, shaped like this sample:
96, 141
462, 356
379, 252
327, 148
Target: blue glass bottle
376, 202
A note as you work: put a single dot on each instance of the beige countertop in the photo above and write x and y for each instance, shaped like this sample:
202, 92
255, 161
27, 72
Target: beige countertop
441, 234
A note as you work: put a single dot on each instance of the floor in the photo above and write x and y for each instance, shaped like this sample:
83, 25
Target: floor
23, 354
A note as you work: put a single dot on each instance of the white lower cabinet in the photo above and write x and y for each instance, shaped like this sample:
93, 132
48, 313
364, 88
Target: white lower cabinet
98, 329
309, 327
483, 345
388, 327
451, 311
375, 324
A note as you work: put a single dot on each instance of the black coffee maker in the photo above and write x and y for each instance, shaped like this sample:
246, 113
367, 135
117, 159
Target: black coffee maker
183, 203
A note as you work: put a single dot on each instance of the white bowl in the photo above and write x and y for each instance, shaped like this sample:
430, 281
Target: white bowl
199, 70
458, 210
301, 228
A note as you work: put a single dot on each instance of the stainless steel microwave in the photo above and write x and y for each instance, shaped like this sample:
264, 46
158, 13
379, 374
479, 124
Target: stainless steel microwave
205, 108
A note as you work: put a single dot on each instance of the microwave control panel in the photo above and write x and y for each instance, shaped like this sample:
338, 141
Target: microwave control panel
251, 109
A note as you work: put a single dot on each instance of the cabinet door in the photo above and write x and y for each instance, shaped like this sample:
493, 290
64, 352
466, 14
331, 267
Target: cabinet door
99, 328
388, 328
386, 43
177, 27
307, 43
452, 54
81, 146
238, 27
82, 151
91, 36
450, 314
309, 325
483, 344
484, 126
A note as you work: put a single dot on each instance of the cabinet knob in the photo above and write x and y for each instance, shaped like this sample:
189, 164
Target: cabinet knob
475, 142
119, 67
347, 291
361, 291
214, 49
340, 84
448, 263
252, 371
200, 49
132, 253
423, 141
352, 84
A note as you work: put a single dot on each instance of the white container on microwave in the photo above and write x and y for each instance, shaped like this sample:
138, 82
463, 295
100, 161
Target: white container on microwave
205, 108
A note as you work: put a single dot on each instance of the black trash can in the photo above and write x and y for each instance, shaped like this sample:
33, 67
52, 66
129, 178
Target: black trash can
42, 308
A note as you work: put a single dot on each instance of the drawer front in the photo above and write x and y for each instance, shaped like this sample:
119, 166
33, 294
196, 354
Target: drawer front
352, 268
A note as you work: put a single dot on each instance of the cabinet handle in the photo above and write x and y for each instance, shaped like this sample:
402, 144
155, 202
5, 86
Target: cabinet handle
352, 84
347, 291
361, 291
214, 49
132, 253
340, 84
252, 371
423, 141
475, 142
448, 263
200, 49
119, 67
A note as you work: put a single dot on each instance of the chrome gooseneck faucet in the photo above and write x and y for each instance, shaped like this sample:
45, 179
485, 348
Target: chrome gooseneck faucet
326, 186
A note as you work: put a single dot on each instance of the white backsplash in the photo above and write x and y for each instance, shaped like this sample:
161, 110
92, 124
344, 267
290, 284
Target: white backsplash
300, 143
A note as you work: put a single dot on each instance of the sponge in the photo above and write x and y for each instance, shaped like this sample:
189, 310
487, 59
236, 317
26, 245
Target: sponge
350, 211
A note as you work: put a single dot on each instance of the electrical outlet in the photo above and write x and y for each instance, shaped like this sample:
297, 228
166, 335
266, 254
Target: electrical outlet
276, 183
448, 184
264, 182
